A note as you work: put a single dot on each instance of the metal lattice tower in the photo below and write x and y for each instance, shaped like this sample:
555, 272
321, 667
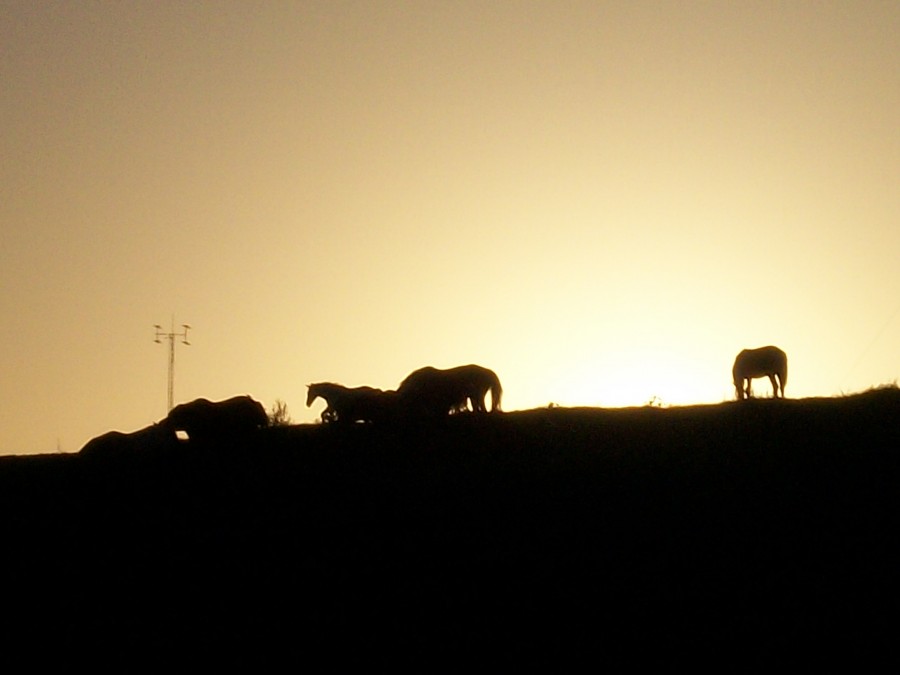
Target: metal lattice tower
170, 336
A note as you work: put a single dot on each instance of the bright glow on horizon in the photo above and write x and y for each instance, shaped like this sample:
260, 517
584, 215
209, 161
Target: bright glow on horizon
602, 202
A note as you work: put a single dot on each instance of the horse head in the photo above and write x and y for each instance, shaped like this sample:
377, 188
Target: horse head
328, 391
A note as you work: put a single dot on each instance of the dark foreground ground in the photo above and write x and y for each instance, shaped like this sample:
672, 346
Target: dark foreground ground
747, 535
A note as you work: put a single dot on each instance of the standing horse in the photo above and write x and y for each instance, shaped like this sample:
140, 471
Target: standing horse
768, 362
439, 392
353, 404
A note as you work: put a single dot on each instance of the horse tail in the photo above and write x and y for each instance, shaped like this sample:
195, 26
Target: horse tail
496, 394
784, 371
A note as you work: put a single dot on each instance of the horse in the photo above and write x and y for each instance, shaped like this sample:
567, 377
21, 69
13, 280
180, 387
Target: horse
440, 392
353, 404
156, 437
204, 420
768, 362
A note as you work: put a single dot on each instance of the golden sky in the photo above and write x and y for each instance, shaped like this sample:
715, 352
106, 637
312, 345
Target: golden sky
602, 201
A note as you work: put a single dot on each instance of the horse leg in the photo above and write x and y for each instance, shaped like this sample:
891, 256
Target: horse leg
774, 385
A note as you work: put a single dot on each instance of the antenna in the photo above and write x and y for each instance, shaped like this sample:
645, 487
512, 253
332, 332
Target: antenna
170, 336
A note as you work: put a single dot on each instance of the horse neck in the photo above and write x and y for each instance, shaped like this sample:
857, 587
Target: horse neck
317, 391
332, 391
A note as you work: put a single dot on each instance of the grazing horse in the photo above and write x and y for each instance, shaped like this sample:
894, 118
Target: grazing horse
768, 362
204, 420
148, 439
353, 404
439, 392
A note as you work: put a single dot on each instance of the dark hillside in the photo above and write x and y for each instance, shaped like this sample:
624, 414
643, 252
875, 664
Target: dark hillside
743, 534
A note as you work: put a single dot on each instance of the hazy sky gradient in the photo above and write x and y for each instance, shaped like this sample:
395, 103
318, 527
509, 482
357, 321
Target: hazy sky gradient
602, 201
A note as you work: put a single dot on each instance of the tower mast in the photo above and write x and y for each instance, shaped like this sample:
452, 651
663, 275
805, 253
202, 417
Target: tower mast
170, 336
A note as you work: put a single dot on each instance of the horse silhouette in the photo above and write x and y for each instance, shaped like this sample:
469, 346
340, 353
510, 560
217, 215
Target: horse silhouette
354, 404
436, 392
148, 439
768, 362
204, 420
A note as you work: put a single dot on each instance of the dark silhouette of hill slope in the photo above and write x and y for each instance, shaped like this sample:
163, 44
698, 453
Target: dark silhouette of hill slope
741, 534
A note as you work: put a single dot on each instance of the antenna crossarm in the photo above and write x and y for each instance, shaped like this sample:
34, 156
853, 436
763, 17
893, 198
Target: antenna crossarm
170, 336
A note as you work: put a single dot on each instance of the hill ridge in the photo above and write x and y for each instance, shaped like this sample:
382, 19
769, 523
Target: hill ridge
652, 536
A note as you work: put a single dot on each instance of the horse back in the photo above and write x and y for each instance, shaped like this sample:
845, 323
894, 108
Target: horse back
758, 362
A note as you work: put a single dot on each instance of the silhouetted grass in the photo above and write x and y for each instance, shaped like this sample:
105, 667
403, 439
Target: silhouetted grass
744, 534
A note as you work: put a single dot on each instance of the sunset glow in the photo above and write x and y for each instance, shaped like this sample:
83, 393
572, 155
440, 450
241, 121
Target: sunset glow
601, 201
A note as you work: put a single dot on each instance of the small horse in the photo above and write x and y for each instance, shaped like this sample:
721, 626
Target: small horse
768, 362
441, 392
353, 404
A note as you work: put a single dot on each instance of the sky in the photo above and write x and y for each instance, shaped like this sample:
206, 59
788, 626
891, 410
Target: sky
601, 201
